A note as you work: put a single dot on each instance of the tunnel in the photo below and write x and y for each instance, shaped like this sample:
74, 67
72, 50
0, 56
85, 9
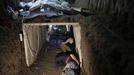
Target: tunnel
35, 35
106, 39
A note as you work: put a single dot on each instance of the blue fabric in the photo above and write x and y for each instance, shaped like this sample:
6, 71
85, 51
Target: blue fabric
55, 42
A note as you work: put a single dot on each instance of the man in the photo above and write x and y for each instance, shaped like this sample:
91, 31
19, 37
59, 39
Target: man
69, 62
63, 58
71, 69
69, 43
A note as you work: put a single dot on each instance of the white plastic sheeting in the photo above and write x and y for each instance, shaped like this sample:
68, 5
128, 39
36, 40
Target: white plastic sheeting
34, 38
36, 4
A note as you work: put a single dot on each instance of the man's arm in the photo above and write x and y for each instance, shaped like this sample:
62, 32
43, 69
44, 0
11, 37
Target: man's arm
66, 41
66, 66
74, 58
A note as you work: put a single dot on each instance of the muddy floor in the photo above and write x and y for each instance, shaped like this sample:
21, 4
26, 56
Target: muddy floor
45, 63
12, 59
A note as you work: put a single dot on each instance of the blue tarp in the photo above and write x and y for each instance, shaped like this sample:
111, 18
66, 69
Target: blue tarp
47, 14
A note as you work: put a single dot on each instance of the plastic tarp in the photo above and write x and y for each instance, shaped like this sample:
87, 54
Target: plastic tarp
36, 4
56, 4
47, 14
34, 38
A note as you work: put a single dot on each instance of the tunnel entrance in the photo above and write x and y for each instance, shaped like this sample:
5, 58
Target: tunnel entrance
36, 34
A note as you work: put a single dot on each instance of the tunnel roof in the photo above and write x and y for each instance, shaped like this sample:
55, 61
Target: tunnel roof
44, 19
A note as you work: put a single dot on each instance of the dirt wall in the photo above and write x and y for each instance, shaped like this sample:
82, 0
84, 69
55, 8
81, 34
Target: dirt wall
108, 37
10, 54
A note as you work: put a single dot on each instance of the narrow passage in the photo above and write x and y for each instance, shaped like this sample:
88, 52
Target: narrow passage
46, 61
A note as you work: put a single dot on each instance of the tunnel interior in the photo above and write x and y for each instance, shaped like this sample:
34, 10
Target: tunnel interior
107, 39
40, 39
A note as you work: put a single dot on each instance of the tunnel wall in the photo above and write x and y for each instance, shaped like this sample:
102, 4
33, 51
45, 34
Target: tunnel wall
108, 36
34, 38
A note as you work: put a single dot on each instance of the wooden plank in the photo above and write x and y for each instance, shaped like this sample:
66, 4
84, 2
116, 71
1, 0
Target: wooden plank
44, 24
25, 47
77, 36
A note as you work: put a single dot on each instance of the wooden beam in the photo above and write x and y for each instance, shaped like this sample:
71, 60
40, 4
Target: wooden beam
44, 24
